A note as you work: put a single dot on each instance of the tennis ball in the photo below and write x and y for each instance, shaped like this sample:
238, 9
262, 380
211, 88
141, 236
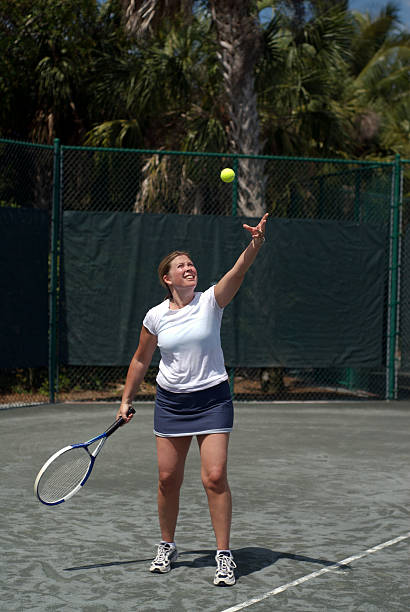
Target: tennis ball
227, 175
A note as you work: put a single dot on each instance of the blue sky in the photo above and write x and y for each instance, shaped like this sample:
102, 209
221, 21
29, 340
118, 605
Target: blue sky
373, 7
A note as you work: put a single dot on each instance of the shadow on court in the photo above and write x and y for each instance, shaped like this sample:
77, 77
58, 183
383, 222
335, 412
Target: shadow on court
249, 560
321, 495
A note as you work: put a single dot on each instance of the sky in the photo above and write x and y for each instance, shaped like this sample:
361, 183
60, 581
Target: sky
370, 6
373, 7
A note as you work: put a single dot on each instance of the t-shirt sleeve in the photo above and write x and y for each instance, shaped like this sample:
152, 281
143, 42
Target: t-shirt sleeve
150, 322
209, 295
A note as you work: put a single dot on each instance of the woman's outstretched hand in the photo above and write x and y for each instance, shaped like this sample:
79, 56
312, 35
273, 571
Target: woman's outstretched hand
258, 232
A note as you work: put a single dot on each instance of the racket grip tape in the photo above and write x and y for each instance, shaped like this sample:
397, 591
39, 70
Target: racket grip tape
118, 423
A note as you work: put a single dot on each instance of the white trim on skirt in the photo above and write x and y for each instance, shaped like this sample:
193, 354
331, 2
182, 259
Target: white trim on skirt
193, 433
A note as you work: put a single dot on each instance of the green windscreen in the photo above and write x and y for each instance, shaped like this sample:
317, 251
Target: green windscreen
313, 298
405, 304
23, 288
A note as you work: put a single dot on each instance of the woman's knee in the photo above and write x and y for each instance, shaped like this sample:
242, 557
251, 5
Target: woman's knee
169, 481
215, 480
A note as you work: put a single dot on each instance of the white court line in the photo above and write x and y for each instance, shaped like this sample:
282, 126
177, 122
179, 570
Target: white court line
22, 405
325, 570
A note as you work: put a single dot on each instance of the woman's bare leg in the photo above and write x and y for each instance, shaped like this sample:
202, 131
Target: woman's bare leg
214, 455
171, 454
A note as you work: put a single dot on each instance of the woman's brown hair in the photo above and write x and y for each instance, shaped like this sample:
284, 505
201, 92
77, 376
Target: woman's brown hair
165, 265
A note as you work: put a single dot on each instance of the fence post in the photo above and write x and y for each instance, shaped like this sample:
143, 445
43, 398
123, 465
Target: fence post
394, 282
235, 188
55, 225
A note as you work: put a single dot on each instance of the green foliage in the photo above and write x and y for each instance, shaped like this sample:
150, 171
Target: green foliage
300, 78
48, 50
23, 380
378, 88
8, 204
328, 82
162, 93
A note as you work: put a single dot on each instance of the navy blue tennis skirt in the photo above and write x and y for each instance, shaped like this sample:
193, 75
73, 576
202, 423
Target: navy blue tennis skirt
189, 414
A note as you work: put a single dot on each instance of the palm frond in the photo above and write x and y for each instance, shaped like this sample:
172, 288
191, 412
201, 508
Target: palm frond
395, 131
386, 75
372, 34
118, 133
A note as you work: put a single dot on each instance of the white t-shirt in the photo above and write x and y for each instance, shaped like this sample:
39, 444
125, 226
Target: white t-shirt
190, 343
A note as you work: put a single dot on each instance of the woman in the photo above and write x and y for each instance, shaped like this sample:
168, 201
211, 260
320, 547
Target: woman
193, 396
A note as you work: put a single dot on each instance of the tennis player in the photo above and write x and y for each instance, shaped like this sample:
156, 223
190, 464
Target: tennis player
193, 396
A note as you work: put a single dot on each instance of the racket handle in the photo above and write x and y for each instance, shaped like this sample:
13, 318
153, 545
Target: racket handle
118, 423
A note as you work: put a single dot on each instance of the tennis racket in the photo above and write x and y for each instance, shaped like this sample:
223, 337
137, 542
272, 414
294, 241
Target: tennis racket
67, 471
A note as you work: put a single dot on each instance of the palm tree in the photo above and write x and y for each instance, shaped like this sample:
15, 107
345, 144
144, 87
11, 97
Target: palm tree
238, 35
213, 79
48, 51
379, 88
145, 16
395, 132
162, 93
155, 84
300, 80
64, 36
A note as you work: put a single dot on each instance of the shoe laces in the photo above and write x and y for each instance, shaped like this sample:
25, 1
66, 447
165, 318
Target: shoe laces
225, 563
163, 552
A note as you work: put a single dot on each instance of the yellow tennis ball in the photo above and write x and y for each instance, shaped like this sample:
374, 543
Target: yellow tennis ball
227, 175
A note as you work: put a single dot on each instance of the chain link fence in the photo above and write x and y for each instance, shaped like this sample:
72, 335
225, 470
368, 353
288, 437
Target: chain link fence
26, 182
147, 182
403, 345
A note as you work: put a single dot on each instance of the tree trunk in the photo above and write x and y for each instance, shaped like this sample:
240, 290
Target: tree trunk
239, 37
143, 16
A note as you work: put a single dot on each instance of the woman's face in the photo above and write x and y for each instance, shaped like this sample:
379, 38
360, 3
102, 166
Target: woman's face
182, 273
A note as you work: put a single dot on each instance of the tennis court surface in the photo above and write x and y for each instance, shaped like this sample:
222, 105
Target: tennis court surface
321, 513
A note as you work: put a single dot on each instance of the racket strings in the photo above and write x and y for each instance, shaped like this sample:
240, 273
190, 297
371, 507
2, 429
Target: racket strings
64, 474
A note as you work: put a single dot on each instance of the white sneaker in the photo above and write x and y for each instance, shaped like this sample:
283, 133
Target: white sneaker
224, 575
166, 553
